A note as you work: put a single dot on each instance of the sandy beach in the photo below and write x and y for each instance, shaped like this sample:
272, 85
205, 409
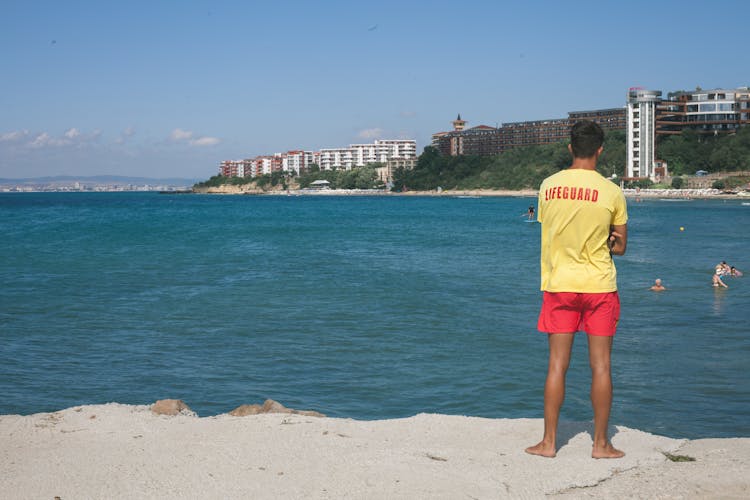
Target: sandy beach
123, 451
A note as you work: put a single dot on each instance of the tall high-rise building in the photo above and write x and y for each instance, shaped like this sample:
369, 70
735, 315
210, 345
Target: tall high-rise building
641, 128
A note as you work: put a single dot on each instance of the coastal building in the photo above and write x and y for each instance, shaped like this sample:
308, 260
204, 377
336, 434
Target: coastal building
710, 112
479, 140
641, 128
484, 140
458, 123
608, 119
232, 168
535, 133
336, 158
651, 117
296, 161
359, 155
389, 154
264, 165
385, 171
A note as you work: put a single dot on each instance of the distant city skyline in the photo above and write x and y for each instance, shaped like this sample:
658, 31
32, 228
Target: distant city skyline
171, 90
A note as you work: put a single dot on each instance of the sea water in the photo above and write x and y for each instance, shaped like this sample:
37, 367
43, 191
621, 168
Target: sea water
363, 307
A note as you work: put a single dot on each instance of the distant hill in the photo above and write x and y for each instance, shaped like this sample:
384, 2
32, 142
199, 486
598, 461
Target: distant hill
102, 179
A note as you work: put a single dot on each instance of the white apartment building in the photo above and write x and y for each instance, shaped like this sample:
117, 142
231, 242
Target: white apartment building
392, 152
338, 158
397, 149
359, 155
264, 165
232, 168
641, 132
296, 161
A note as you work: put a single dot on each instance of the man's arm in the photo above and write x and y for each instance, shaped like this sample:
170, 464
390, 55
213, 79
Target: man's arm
618, 239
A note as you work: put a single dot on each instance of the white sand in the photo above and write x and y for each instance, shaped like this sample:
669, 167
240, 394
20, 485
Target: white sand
120, 451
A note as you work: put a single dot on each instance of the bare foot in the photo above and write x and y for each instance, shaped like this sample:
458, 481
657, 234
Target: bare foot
607, 451
542, 449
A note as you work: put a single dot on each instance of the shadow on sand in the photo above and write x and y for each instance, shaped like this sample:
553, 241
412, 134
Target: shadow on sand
566, 431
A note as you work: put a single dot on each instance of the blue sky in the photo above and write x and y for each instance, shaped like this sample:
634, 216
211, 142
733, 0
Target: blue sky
171, 88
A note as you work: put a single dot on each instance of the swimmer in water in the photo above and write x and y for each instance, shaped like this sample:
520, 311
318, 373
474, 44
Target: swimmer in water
717, 281
529, 213
657, 286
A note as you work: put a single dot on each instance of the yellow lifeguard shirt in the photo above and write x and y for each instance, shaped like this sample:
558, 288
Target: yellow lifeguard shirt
576, 209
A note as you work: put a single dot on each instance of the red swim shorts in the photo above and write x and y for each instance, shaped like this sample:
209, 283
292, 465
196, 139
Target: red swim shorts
569, 312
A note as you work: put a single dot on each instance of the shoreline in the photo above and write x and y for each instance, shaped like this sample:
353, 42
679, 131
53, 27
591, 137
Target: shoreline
128, 451
681, 194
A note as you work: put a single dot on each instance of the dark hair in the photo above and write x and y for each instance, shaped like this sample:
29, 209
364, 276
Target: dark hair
586, 137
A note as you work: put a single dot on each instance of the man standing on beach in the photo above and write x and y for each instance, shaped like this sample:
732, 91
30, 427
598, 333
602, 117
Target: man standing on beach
584, 222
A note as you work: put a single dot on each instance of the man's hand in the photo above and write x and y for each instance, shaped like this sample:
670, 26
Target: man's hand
617, 242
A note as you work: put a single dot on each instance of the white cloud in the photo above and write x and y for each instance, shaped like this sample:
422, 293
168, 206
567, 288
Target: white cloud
15, 136
179, 135
72, 133
370, 133
44, 140
39, 140
125, 135
205, 141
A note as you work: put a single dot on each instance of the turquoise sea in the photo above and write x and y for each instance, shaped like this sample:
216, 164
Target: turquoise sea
362, 307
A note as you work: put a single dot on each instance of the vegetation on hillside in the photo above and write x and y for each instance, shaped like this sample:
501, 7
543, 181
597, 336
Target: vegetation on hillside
517, 168
688, 152
262, 181
357, 178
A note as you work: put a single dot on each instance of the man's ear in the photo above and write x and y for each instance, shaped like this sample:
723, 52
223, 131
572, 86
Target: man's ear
570, 148
599, 151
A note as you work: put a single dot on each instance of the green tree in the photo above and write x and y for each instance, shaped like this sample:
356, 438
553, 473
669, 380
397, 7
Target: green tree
677, 182
614, 156
214, 181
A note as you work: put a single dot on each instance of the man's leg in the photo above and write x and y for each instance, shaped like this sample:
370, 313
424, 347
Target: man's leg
560, 346
600, 350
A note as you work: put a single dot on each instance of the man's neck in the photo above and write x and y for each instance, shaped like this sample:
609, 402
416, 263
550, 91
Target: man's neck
584, 163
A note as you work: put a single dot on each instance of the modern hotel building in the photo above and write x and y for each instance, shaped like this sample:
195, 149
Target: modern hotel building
707, 112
